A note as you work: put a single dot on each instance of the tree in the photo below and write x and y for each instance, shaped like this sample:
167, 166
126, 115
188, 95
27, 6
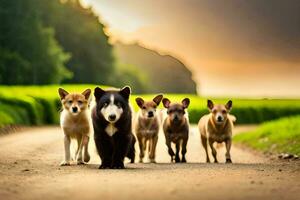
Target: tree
80, 32
31, 54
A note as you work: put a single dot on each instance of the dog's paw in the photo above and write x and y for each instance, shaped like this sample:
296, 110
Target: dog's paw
65, 163
80, 162
118, 166
104, 166
183, 160
152, 160
228, 160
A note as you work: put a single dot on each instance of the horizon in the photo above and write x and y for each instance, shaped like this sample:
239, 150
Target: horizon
222, 63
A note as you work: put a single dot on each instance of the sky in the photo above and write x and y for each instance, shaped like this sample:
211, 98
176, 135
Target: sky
233, 47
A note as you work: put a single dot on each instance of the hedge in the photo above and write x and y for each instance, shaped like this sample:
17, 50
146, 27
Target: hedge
39, 105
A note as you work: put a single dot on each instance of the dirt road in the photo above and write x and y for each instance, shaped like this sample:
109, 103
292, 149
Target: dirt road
29, 169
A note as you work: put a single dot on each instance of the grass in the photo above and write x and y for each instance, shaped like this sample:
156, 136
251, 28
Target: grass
278, 136
37, 105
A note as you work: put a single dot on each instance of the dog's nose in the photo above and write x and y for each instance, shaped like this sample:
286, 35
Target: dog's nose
176, 118
74, 109
112, 117
219, 118
150, 114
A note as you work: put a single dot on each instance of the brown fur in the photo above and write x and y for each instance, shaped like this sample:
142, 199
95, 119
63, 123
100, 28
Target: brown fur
76, 125
176, 128
147, 127
213, 130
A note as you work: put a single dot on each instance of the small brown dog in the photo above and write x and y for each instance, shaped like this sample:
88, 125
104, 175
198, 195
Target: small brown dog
76, 123
217, 127
176, 128
147, 126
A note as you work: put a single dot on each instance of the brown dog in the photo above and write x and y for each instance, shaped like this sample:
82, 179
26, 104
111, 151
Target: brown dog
217, 127
176, 128
147, 126
76, 123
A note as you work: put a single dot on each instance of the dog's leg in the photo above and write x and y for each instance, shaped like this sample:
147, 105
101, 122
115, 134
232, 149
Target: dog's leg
67, 143
86, 156
79, 150
227, 155
105, 150
213, 150
204, 144
152, 144
183, 151
121, 146
141, 146
177, 159
170, 150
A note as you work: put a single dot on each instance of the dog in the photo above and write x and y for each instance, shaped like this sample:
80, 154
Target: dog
176, 128
147, 124
76, 124
217, 127
112, 122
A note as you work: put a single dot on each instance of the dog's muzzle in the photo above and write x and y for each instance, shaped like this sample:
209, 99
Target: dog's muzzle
112, 117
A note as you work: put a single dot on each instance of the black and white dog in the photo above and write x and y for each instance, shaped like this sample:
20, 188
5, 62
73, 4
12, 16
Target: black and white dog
112, 127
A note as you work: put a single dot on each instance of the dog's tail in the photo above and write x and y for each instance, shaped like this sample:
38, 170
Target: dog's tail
131, 151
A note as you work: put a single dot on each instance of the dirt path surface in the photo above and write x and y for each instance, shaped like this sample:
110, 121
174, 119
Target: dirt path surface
29, 169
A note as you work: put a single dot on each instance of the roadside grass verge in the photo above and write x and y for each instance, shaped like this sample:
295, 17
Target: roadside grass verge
278, 136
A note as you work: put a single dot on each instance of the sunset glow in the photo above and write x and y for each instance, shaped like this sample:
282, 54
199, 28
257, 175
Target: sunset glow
229, 47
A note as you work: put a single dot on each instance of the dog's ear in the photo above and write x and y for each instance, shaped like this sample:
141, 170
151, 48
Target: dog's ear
125, 92
210, 104
98, 93
158, 99
166, 102
140, 102
228, 105
62, 93
185, 103
86, 93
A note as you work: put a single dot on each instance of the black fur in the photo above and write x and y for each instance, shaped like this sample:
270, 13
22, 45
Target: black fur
112, 150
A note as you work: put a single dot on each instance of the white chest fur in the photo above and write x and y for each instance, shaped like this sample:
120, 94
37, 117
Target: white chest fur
111, 130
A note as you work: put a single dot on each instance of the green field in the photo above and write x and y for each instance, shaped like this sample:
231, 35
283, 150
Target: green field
37, 105
278, 136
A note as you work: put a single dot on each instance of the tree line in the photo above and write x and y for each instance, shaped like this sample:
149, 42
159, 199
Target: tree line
52, 41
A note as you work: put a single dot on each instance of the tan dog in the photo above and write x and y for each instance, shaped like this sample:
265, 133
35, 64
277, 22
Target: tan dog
76, 124
147, 126
176, 128
217, 127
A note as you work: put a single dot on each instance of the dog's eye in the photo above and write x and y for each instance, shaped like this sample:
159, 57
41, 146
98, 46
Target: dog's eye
105, 104
80, 102
224, 111
144, 107
154, 107
119, 105
214, 111
70, 102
